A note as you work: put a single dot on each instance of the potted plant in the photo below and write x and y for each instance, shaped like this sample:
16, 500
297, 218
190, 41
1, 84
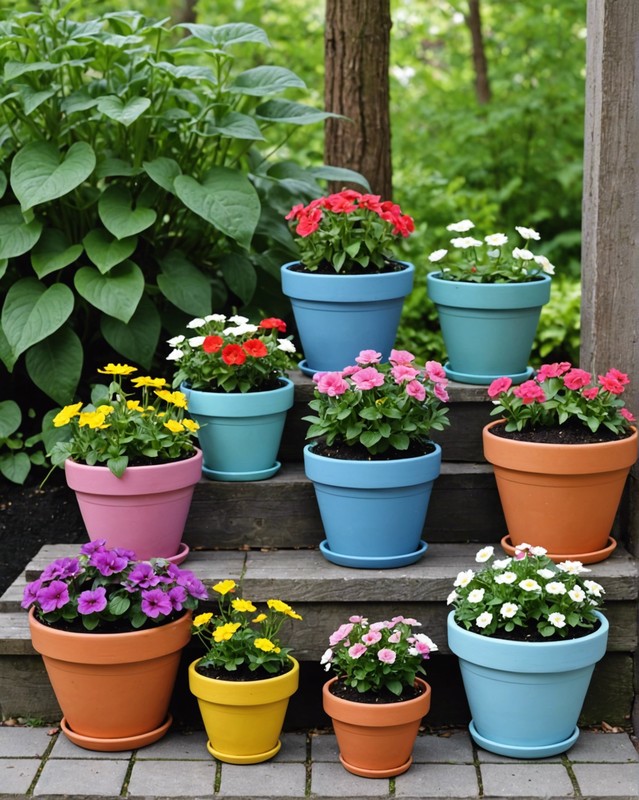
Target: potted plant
528, 634
488, 302
245, 679
234, 376
561, 452
371, 461
131, 463
376, 699
347, 289
110, 631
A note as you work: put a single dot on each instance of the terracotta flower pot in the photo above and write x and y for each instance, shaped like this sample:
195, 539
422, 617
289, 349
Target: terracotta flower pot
563, 497
376, 741
113, 688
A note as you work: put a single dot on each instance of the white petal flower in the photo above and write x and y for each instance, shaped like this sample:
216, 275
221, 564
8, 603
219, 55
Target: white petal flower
464, 578
176, 340
238, 320
460, 227
197, 341
538, 551
577, 594
546, 266
175, 355
451, 598
196, 323
594, 588
508, 610
555, 588
572, 567
529, 585
437, 255
501, 563
286, 345
523, 254
485, 554
496, 239
484, 620
215, 318
476, 596
506, 577
527, 233
421, 637
240, 330
557, 620
546, 574
465, 241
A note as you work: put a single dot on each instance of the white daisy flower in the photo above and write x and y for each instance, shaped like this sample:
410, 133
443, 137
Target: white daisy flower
527, 233
546, 266
175, 355
451, 598
476, 596
502, 563
286, 345
538, 551
529, 585
464, 578
577, 594
594, 588
555, 588
485, 554
508, 610
546, 574
572, 567
437, 255
238, 320
506, 577
197, 341
496, 239
484, 620
557, 620
460, 227
465, 241
196, 323
215, 318
523, 254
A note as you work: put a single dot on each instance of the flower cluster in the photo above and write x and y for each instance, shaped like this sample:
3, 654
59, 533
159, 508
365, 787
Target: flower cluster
240, 637
103, 588
526, 593
116, 430
231, 355
348, 231
491, 264
560, 392
374, 656
379, 406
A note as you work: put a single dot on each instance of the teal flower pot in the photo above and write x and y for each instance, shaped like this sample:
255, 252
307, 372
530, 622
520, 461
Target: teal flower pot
373, 512
338, 316
240, 433
525, 697
488, 329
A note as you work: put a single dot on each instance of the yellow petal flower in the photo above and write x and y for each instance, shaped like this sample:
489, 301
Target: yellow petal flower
191, 425
242, 605
224, 632
278, 605
154, 383
65, 415
259, 618
134, 405
105, 410
224, 587
174, 426
92, 419
264, 644
117, 369
202, 619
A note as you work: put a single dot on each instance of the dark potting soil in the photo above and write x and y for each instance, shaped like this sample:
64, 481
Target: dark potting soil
241, 674
531, 634
383, 697
358, 452
117, 626
353, 269
570, 432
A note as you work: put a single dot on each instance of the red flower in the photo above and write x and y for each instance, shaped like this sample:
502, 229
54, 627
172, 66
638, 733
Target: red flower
233, 354
577, 378
295, 212
273, 322
611, 384
255, 348
308, 222
530, 392
212, 344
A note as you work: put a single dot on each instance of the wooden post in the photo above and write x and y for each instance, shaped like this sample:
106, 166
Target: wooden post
610, 250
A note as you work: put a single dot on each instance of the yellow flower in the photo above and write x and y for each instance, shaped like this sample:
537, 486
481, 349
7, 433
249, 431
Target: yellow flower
154, 383
105, 410
242, 605
225, 632
266, 645
134, 405
191, 425
175, 398
65, 415
259, 618
202, 619
224, 587
93, 420
174, 426
283, 608
117, 369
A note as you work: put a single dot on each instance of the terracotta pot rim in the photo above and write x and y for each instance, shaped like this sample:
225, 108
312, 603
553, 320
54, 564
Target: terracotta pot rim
371, 714
546, 445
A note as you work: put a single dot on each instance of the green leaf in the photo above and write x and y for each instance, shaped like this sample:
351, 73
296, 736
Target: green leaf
14, 69
40, 172
290, 112
115, 168
120, 217
10, 418
105, 251
341, 174
370, 438
118, 604
78, 101
123, 112
138, 339
3, 184
117, 293
265, 80
224, 35
15, 467
32, 312
50, 434
16, 235
240, 276
238, 126
4, 263
184, 285
53, 252
117, 465
32, 99
55, 365
226, 199
163, 171
7, 355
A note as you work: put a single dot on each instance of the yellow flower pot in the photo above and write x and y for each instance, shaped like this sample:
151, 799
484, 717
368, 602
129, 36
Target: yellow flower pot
243, 719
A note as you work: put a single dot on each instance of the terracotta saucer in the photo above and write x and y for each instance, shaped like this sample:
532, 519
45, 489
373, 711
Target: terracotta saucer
585, 558
118, 744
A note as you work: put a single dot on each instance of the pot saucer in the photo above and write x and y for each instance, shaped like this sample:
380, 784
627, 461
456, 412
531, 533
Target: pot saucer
304, 368
585, 558
231, 758
115, 745
522, 751
377, 773
254, 475
372, 562
484, 380
182, 553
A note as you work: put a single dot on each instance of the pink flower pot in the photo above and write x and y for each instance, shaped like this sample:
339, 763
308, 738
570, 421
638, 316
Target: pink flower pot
145, 510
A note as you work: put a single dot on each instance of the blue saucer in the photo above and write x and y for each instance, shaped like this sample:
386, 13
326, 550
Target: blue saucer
485, 380
304, 368
522, 751
372, 562
255, 475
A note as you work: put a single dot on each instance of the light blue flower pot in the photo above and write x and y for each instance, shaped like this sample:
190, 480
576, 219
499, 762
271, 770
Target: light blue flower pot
373, 512
337, 316
488, 329
525, 697
240, 433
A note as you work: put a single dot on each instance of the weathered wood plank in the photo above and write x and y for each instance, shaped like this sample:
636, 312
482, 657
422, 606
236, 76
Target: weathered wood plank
25, 690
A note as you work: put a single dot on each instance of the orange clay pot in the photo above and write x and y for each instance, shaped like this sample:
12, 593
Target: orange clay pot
563, 497
113, 688
376, 741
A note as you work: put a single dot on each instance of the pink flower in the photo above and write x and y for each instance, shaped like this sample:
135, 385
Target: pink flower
436, 372
552, 370
591, 393
530, 392
340, 634
402, 372
440, 393
611, 383
499, 386
416, 389
627, 414
308, 222
395, 637
422, 648
577, 379
369, 357
401, 357
357, 619
623, 379
332, 384
387, 656
368, 378
347, 371
356, 650
371, 637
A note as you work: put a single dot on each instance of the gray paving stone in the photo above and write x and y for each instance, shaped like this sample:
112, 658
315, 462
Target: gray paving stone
526, 780
438, 780
17, 774
23, 742
176, 746
607, 747
269, 779
64, 748
82, 777
332, 780
293, 748
453, 749
485, 757
324, 747
619, 781
172, 779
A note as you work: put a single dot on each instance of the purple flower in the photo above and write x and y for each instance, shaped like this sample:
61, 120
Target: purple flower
143, 576
30, 594
61, 568
107, 562
92, 601
91, 547
193, 585
53, 596
156, 602
177, 596
124, 553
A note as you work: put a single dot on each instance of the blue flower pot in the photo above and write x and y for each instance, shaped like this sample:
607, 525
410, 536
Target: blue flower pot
337, 316
525, 697
488, 329
373, 512
240, 433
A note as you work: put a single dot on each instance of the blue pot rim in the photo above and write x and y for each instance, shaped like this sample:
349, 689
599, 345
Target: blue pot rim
240, 404
347, 288
464, 294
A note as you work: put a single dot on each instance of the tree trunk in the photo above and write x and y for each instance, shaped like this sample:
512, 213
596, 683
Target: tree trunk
356, 49
482, 84
185, 12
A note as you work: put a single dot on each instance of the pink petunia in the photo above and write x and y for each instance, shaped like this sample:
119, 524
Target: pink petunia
530, 392
403, 373
555, 370
340, 634
577, 379
416, 389
332, 384
371, 637
623, 379
351, 370
499, 386
356, 650
387, 656
401, 357
611, 383
369, 357
436, 372
440, 393
591, 393
368, 378
627, 414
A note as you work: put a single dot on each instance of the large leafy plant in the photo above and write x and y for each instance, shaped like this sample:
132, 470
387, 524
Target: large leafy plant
135, 178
